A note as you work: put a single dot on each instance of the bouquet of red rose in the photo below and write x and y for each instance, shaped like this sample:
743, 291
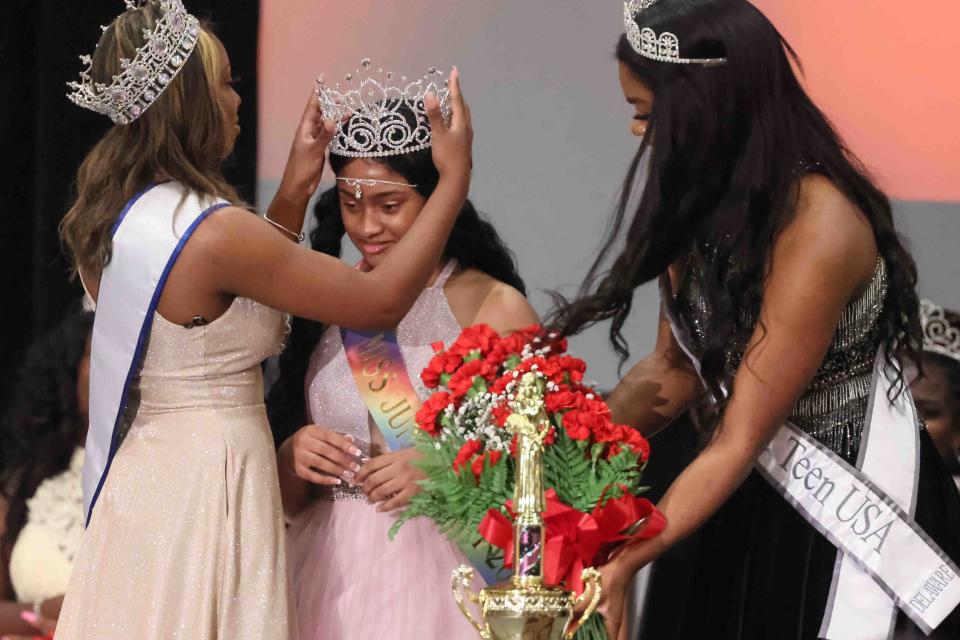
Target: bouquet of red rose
592, 466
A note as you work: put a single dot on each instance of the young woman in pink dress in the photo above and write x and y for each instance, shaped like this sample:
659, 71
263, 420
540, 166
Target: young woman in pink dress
341, 483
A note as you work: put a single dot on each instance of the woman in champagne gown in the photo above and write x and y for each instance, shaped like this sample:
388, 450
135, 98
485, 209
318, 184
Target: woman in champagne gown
185, 530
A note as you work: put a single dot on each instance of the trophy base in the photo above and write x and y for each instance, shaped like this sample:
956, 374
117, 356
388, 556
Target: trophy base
526, 628
516, 612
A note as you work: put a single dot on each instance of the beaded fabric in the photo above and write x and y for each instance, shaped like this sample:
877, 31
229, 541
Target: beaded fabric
833, 408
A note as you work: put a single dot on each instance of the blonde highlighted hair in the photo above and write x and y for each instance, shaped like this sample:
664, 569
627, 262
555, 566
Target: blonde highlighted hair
183, 136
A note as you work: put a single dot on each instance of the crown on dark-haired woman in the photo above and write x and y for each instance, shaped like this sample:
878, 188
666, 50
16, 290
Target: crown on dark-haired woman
131, 92
939, 336
664, 47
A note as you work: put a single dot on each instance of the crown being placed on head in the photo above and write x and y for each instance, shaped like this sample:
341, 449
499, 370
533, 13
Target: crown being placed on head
385, 119
664, 47
939, 336
131, 92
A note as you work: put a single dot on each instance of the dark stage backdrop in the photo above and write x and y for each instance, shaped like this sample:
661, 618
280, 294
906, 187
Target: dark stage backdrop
43, 138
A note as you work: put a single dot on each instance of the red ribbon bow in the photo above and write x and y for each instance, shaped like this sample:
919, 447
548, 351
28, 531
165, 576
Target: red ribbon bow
574, 539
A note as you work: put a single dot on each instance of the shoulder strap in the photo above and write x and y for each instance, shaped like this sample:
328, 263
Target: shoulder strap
445, 275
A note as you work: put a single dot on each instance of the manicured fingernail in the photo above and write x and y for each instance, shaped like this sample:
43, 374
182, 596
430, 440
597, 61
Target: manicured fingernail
348, 475
354, 451
28, 616
350, 438
364, 459
354, 466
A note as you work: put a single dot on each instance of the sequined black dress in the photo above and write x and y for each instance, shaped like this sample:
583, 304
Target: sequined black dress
757, 570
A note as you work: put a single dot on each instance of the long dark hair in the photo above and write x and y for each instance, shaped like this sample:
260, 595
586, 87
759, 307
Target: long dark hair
474, 243
42, 424
724, 151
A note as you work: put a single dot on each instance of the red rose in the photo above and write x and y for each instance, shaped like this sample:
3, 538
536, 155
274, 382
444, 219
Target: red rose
529, 334
477, 338
469, 449
499, 386
577, 424
500, 414
557, 346
595, 406
562, 401
606, 431
511, 345
637, 443
463, 378
572, 367
491, 458
440, 364
551, 436
427, 414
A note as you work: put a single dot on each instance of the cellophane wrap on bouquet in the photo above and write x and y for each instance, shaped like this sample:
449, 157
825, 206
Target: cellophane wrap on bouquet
591, 467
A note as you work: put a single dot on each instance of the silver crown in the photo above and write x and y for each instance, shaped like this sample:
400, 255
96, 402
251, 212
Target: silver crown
664, 47
373, 115
130, 93
939, 336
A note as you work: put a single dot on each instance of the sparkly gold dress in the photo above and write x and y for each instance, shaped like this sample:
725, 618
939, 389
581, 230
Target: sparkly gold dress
186, 540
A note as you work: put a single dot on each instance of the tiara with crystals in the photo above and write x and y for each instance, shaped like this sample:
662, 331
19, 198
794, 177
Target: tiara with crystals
939, 336
385, 119
131, 92
664, 47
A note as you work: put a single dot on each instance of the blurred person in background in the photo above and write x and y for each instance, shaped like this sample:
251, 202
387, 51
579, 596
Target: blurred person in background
937, 391
42, 433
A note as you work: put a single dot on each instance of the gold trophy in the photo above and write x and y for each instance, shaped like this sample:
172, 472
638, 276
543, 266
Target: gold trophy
522, 607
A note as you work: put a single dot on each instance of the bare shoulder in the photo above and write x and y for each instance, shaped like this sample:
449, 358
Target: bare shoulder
231, 233
476, 297
830, 230
225, 224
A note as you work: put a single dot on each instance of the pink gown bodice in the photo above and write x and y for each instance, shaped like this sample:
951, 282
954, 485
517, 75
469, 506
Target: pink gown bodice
333, 400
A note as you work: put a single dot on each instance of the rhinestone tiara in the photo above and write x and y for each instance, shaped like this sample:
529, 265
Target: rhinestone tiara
939, 336
376, 117
664, 47
130, 93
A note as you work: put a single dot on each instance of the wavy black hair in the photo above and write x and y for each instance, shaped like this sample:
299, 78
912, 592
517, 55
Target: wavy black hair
474, 243
725, 149
42, 424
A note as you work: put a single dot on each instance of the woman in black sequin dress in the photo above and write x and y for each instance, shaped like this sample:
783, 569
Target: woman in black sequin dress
786, 293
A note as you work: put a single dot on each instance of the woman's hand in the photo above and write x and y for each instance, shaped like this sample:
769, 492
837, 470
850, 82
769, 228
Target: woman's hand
301, 176
453, 143
391, 479
320, 456
615, 578
45, 627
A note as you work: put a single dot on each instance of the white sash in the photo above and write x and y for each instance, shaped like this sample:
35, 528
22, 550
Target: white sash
886, 559
148, 237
